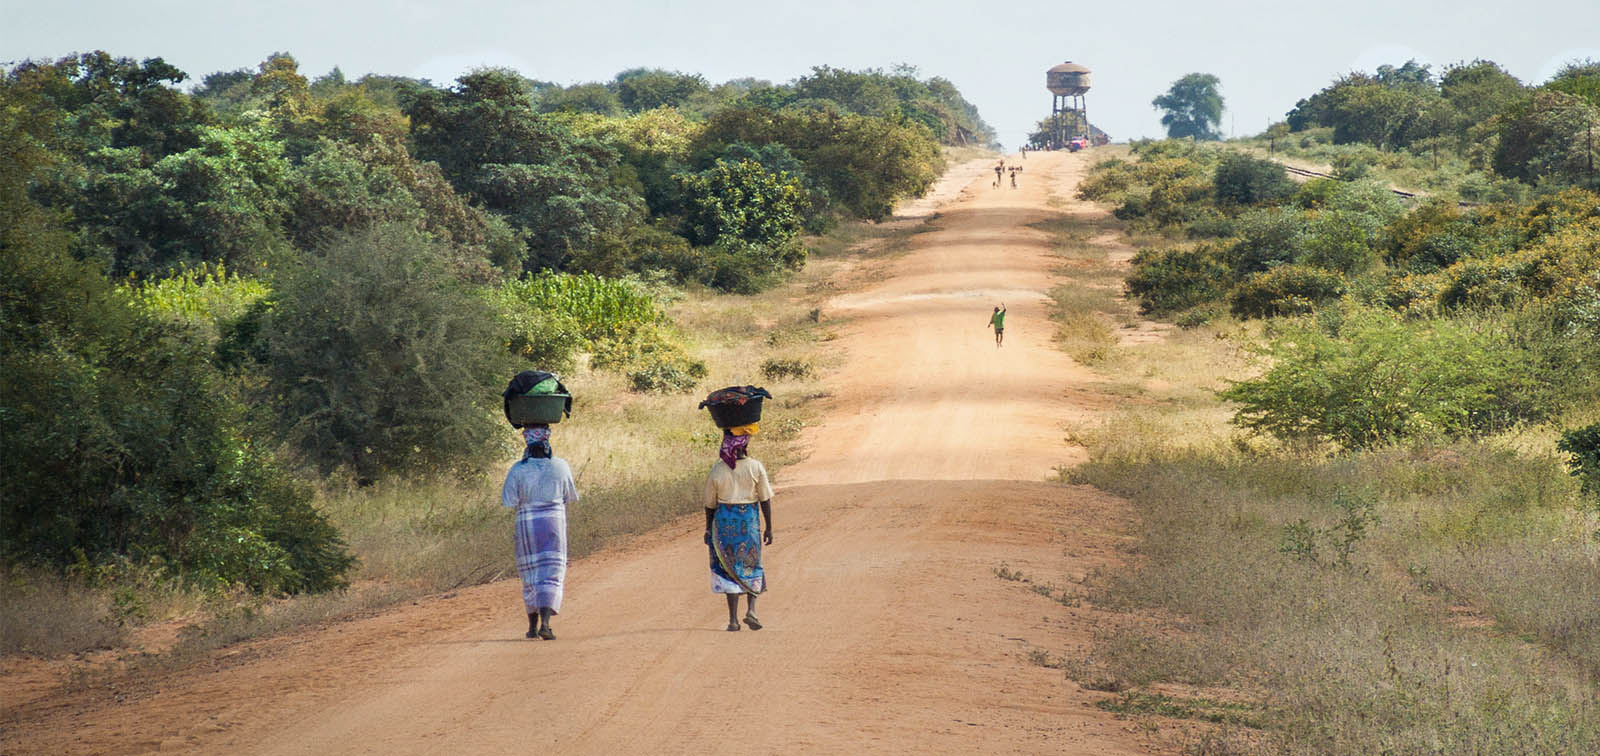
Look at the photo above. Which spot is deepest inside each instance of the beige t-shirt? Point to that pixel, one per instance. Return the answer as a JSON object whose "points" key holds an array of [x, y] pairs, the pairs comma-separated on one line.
{"points": [[744, 484]]}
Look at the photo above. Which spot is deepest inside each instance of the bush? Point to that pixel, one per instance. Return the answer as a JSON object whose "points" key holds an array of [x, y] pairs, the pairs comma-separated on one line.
{"points": [[1267, 237], [1244, 180], [1168, 281], [382, 361], [123, 441], [1381, 380], [1583, 444], [781, 368], [1342, 240], [652, 361], [1561, 266], [742, 200], [1285, 290]]}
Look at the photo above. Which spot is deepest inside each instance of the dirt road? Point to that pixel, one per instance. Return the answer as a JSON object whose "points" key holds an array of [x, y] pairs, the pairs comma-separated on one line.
{"points": [[888, 630]]}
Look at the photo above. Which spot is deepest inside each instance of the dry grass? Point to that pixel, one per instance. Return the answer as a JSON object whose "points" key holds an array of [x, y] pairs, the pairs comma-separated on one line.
{"points": [[48, 616], [1464, 622]]}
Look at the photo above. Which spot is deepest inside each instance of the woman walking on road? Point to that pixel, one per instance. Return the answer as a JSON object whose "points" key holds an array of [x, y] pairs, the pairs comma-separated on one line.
{"points": [[539, 488], [734, 488]]}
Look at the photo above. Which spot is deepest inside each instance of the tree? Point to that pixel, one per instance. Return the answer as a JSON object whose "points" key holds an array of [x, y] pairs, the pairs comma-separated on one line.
{"points": [[121, 439], [641, 89], [1551, 137], [561, 190], [581, 98], [1478, 91], [382, 360], [742, 200], [1193, 107]]}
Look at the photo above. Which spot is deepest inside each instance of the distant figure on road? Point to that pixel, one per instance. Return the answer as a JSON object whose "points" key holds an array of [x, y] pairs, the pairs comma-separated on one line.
{"points": [[1015, 169], [539, 488], [997, 321], [735, 486], [1024, 152], [999, 168]]}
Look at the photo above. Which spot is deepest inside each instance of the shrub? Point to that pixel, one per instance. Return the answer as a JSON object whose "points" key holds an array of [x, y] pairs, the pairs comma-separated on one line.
{"points": [[1267, 237], [123, 441], [1583, 444], [1168, 281], [204, 297], [1245, 180], [383, 361], [1108, 181], [1341, 240], [1560, 267], [652, 361], [742, 200], [1382, 380], [1285, 290], [780, 368]]}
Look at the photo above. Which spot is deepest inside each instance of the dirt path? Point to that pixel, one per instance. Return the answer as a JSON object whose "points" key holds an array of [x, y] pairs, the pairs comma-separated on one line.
{"points": [[888, 628]]}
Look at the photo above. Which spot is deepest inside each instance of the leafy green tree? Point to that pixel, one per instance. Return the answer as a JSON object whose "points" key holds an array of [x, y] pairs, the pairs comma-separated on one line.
{"points": [[121, 440], [222, 201], [641, 89], [1478, 91], [581, 98], [381, 360], [560, 190], [1551, 137], [1192, 107], [1580, 78], [341, 187], [866, 164], [742, 200]]}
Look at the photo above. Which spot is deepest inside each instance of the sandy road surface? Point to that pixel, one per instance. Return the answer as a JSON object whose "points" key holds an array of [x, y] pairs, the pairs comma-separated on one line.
{"points": [[887, 629]]}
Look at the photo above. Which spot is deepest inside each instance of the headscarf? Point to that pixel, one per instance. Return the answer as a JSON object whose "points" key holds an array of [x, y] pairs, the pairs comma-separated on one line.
{"points": [[732, 446], [538, 440]]}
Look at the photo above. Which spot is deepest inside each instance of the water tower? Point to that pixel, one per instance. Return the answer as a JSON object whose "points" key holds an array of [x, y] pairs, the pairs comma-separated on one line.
{"points": [[1069, 118]]}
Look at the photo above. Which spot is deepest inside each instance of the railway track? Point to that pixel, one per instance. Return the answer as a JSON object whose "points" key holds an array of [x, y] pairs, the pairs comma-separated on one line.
{"points": [[1407, 195]]}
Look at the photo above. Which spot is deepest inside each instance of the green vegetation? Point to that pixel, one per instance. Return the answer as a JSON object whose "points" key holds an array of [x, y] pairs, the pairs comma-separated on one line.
{"points": [[1396, 555], [1192, 107], [227, 314]]}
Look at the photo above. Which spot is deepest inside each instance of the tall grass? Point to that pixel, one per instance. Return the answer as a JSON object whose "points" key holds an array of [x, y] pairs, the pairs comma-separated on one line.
{"points": [[1457, 614]]}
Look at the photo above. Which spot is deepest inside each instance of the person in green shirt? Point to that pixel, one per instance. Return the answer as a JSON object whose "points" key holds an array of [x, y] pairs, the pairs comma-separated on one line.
{"points": [[997, 321]]}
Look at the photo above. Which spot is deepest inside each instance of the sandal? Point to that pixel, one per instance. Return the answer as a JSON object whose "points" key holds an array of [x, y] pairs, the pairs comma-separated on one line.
{"points": [[733, 627], [750, 619], [546, 633]]}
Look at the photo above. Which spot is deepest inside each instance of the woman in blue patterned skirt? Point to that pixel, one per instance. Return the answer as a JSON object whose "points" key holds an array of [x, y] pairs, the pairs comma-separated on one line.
{"points": [[736, 486]]}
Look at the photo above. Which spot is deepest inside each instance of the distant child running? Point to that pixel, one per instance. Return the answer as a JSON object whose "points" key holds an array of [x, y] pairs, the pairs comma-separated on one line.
{"points": [[997, 321]]}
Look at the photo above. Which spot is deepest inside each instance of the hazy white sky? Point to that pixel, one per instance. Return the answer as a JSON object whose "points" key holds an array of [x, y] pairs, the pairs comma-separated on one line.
{"points": [[1267, 54]]}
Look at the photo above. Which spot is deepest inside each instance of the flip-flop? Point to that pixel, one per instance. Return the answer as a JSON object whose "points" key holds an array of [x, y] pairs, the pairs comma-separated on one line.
{"points": [[546, 633], [750, 619], [733, 627], [532, 634]]}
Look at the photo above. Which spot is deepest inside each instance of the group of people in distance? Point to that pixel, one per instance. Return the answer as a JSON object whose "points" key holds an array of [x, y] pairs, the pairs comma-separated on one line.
{"points": [[738, 504]]}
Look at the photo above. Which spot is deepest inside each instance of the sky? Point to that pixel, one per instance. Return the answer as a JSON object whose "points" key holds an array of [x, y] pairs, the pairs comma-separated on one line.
{"points": [[1267, 54]]}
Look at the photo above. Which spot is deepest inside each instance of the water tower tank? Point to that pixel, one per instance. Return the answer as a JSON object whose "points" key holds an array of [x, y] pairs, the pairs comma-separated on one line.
{"points": [[1067, 79]]}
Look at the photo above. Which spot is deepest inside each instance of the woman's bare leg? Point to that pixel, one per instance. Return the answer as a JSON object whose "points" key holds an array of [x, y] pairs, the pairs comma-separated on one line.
{"points": [[733, 611]]}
